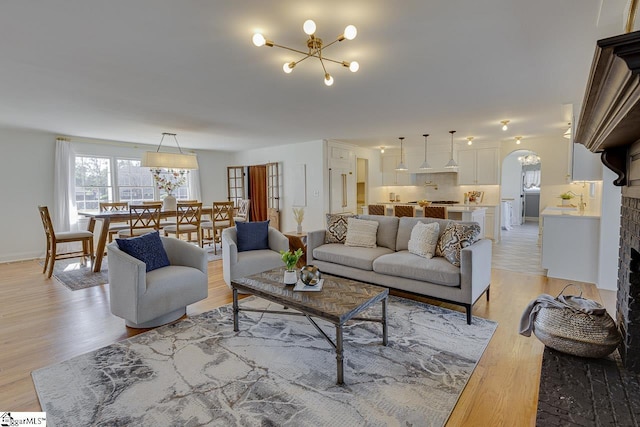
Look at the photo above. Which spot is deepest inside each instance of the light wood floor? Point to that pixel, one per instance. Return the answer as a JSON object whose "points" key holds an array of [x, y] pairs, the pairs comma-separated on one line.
{"points": [[42, 323]]}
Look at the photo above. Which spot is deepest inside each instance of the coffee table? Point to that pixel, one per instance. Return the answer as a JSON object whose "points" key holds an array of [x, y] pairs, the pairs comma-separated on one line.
{"points": [[339, 301]]}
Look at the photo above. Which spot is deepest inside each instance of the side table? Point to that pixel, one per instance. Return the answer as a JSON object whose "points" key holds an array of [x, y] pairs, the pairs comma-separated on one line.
{"points": [[298, 241]]}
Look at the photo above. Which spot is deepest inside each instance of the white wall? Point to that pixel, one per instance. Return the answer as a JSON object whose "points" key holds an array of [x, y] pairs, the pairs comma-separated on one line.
{"points": [[609, 232], [213, 175], [26, 171], [310, 154]]}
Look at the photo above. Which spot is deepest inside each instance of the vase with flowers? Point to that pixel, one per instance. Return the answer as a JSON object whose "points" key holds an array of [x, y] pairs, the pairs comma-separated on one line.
{"points": [[298, 214], [290, 260], [169, 180]]}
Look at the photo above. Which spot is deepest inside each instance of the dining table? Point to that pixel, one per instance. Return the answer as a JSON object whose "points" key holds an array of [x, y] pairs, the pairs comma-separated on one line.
{"points": [[107, 217]]}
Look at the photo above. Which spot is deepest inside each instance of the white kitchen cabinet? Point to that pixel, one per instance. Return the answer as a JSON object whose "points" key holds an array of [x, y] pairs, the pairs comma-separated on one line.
{"points": [[341, 158], [479, 166], [389, 174], [492, 224]]}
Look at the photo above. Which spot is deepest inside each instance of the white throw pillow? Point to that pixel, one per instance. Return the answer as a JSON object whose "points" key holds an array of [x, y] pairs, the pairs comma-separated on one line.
{"points": [[424, 238], [361, 232]]}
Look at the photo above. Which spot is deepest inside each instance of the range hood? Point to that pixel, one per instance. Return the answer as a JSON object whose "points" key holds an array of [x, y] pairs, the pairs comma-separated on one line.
{"points": [[610, 118]]}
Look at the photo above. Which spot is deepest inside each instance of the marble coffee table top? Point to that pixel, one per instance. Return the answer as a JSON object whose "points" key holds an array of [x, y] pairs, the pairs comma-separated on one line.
{"points": [[339, 300]]}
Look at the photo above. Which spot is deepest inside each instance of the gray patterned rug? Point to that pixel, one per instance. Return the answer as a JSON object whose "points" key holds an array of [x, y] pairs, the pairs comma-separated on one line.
{"points": [[75, 276], [277, 370]]}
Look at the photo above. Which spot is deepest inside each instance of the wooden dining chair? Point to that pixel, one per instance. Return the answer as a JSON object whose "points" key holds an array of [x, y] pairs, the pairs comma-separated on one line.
{"points": [[53, 238], [435, 212], [164, 222], [221, 218], [188, 217], [404, 210], [241, 213], [377, 209], [143, 219], [114, 228]]}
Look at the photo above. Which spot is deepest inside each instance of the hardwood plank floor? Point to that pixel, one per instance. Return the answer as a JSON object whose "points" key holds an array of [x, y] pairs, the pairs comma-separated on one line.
{"points": [[42, 323]]}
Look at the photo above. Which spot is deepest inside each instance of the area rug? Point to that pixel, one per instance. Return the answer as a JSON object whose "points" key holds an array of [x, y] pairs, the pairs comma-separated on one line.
{"points": [[277, 370], [75, 276], [578, 391]]}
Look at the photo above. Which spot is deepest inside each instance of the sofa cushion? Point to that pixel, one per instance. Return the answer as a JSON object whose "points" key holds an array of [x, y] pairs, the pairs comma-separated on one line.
{"points": [[336, 228], [455, 237], [252, 236], [147, 248], [338, 253], [405, 264], [361, 233], [387, 229], [424, 238], [406, 226]]}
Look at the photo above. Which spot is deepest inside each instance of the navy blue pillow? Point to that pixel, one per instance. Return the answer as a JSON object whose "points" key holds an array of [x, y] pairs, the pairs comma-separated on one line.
{"points": [[147, 248], [252, 235]]}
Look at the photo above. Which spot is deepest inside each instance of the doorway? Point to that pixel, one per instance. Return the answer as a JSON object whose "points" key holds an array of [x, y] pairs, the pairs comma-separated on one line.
{"points": [[519, 248]]}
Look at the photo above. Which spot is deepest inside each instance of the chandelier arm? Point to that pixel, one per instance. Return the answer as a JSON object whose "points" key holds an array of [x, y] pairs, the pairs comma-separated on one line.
{"points": [[292, 49], [159, 145], [179, 149]]}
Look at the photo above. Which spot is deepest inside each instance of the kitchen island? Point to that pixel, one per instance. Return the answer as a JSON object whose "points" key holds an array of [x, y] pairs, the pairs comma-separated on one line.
{"points": [[473, 213]]}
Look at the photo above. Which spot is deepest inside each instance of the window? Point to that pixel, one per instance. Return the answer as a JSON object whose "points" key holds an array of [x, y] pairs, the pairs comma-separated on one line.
{"points": [[134, 183], [109, 179], [93, 182]]}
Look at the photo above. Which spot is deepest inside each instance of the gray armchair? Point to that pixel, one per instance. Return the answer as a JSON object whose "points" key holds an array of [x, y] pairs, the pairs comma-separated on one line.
{"points": [[239, 264], [147, 300]]}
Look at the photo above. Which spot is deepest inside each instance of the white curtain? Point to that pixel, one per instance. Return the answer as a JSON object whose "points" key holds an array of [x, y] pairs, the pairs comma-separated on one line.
{"points": [[194, 185], [532, 179], [64, 214]]}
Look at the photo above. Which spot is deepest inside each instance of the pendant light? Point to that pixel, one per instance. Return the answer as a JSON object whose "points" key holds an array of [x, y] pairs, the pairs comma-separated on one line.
{"points": [[452, 163], [401, 165], [425, 165]]}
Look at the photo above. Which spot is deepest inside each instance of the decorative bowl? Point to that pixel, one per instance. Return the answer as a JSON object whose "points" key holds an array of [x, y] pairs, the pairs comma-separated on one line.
{"points": [[310, 275]]}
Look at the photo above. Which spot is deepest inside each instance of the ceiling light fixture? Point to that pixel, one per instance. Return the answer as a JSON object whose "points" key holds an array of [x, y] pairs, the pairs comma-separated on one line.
{"points": [[425, 165], [518, 139], [529, 159], [401, 165], [567, 133], [316, 47], [469, 140], [382, 149], [173, 161], [452, 163], [504, 124]]}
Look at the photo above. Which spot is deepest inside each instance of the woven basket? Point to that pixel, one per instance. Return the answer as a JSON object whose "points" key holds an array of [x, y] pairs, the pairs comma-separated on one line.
{"points": [[575, 332]]}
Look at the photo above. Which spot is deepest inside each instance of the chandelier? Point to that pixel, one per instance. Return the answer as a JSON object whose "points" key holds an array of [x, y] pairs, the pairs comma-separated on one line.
{"points": [[316, 47], [157, 159], [529, 159]]}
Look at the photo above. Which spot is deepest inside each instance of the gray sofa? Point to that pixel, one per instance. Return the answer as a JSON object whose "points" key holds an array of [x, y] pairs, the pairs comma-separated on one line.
{"points": [[390, 264]]}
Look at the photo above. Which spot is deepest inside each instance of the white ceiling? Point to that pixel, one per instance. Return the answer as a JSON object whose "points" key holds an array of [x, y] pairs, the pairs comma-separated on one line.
{"points": [[129, 70]]}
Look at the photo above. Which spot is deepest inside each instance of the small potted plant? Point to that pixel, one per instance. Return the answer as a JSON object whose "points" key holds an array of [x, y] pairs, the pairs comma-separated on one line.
{"points": [[290, 259], [566, 197]]}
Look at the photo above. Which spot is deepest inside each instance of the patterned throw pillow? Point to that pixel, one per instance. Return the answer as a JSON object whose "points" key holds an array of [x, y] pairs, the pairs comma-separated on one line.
{"points": [[455, 237], [361, 233], [147, 248], [336, 228], [424, 238]]}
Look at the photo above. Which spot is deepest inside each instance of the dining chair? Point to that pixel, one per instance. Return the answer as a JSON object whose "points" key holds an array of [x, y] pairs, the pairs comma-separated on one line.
{"points": [[404, 210], [53, 238], [164, 222], [188, 217], [143, 219], [242, 211], [435, 212], [114, 228], [377, 209], [221, 218]]}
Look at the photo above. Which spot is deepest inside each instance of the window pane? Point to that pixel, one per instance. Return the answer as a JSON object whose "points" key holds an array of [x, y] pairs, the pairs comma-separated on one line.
{"points": [[134, 182], [93, 181]]}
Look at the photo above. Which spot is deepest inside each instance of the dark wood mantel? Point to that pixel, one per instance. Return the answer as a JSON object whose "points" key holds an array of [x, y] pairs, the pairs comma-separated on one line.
{"points": [[610, 118]]}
